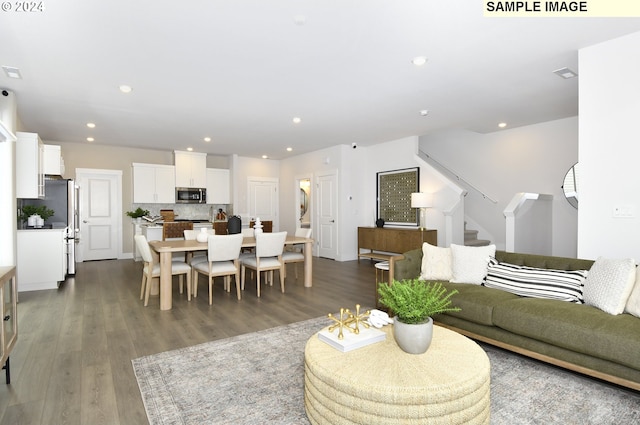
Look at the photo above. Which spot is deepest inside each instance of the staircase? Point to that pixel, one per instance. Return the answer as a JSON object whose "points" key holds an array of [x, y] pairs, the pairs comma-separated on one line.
{"points": [[471, 238]]}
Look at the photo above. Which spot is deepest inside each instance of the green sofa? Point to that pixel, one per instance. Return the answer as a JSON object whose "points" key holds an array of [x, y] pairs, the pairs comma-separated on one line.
{"points": [[574, 336]]}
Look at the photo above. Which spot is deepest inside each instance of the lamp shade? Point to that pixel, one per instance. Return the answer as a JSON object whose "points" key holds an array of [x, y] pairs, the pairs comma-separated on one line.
{"points": [[420, 200]]}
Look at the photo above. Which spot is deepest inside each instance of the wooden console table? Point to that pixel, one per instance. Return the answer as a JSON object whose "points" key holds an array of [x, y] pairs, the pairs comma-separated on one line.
{"points": [[388, 244]]}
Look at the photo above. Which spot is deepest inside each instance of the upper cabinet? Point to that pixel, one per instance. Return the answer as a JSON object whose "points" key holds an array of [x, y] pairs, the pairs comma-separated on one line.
{"points": [[191, 169], [153, 184], [52, 162], [218, 186], [29, 166]]}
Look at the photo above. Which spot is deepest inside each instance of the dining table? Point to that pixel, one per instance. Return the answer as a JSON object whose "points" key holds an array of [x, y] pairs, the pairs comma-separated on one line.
{"points": [[165, 250]]}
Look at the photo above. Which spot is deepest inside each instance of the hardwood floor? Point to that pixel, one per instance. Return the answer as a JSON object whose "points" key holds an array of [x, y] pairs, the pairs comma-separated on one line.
{"points": [[72, 361]]}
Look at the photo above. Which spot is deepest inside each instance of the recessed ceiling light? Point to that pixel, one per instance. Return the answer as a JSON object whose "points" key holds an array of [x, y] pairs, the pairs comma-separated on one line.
{"points": [[419, 60], [12, 72], [424, 112], [565, 73], [297, 120], [264, 157], [190, 149], [90, 139], [207, 139], [91, 125], [126, 89], [289, 149], [502, 124], [299, 19]]}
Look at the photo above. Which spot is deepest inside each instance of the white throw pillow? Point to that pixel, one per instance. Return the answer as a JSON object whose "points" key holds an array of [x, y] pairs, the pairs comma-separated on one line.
{"points": [[609, 284], [469, 263], [436, 263], [633, 303]]}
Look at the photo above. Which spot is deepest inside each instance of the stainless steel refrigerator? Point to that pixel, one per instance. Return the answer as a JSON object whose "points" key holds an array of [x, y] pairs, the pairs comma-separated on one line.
{"points": [[61, 195]]}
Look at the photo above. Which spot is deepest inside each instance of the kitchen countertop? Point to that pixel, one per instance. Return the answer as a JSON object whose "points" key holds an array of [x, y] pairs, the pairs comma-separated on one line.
{"points": [[41, 229]]}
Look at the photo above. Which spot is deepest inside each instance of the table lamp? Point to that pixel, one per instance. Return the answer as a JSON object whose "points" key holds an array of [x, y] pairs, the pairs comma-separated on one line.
{"points": [[422, 201]]}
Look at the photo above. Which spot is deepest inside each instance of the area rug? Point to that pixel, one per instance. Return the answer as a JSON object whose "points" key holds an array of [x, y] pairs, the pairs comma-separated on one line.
{"points": [[258, 378]]}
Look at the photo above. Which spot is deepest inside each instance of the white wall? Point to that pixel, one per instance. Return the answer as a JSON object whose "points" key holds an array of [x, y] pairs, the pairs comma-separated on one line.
{"points": [[609, 148], [310, 165], [532, 158], [8, 220], [399, 154]]}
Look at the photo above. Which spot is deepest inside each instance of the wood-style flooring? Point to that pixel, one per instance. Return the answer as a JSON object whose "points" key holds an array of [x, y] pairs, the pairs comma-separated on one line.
{"points": [[72, 361]]}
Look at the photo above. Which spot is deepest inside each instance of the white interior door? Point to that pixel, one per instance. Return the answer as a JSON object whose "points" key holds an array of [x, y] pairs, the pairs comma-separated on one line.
{"points": [[100, 214], [327, 197], [263, 200]]}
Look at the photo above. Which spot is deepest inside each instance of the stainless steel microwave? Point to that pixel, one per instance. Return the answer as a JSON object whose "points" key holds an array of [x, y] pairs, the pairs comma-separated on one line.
{"points": [[191, 195]]}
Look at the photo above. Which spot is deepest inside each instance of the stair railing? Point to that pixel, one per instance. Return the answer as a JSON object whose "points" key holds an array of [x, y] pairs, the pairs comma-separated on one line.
{"points": [[450, 172]]}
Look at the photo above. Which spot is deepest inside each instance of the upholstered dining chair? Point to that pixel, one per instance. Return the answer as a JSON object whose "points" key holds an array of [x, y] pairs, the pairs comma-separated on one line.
{"points": [[151, 269], [296, 255], [268, 257], [223, 252], [198, 256]]}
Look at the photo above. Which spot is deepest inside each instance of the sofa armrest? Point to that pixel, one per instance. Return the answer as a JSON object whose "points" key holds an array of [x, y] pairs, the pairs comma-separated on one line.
{"points": [[409, 267]]}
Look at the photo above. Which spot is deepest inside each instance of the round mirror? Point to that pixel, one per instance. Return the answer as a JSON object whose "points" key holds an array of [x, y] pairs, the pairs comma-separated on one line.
{"points": [[570, 186]]}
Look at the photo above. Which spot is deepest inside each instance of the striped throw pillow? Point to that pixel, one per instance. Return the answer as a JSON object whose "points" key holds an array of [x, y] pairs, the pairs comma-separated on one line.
{"points": [[526, 281]]}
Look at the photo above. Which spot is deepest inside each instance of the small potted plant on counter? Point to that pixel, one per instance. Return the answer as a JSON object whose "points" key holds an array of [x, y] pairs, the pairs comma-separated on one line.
{"points": [[413, 302], [137, 214], [35, 216]]}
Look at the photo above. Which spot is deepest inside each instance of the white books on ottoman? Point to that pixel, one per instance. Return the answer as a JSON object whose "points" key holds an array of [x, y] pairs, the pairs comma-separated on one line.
{"points": [[351, 340]]}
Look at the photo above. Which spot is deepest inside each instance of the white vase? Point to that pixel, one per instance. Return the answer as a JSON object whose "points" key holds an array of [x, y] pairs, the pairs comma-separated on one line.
{"points": [[257, 230], [32, 221], [414, 338], [203, 235]]}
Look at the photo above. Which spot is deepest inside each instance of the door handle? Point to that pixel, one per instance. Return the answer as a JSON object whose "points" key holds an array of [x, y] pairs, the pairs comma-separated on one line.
{"points": [[333, 221], [84, 221]]}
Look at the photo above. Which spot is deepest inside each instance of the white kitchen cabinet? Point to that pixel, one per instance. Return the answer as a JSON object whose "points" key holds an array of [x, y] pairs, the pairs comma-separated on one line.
{"points": [[41, 259], [29, 166], [52, 163], [152, 233], [218, 186], [191, 169], [153, 184]]}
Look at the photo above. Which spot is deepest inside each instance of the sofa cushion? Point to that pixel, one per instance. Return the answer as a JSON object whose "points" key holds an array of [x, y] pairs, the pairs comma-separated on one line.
{"points": [[609, 284], [476, 302], [436, 263], [469, 263], [563, 285], [577, 327], [633, 303]]}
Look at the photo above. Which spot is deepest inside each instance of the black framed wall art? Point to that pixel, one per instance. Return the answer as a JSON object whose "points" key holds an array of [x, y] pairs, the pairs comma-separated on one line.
{"points": [[394, 189]]}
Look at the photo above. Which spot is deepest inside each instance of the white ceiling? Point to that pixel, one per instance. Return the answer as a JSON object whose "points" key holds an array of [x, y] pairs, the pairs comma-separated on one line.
{"points": [[238, 71]]}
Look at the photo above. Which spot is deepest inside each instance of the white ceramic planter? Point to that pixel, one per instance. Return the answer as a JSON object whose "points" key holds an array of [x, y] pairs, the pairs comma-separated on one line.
{"points": [[415, 338]]}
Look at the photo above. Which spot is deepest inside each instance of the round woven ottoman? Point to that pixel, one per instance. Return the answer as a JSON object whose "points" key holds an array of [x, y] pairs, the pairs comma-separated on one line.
{"points": [[381, 384]]}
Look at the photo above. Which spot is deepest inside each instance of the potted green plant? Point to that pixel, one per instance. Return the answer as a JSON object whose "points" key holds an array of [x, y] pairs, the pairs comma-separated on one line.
{"points": [[42, 212], [137, 214], [414, 302]]}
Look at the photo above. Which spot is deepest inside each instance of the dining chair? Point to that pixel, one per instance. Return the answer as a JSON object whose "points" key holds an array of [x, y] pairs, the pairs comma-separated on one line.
{"points": [[223, 252], [268, 257], [296, 254], [198, 256], [151, 269], [172, 230]]}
